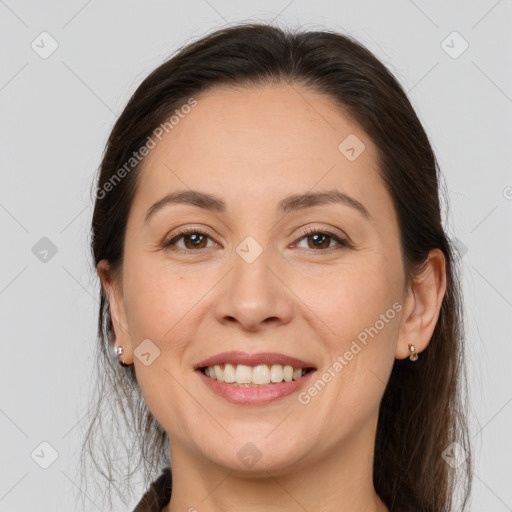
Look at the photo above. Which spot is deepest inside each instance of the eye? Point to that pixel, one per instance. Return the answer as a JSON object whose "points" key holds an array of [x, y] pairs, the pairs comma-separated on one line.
{"points": [[193, 239], [319, 239]]}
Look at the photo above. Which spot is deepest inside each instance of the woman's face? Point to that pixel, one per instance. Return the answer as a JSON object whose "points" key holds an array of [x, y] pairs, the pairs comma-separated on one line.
{"points": [[251, 280]]}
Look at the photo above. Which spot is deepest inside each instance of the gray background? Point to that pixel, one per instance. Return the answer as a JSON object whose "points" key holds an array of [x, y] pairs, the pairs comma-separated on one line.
{"points": [[56, 114]]}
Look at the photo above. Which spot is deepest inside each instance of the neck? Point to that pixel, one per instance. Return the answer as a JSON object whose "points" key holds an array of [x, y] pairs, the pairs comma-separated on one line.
{"points": [[340, 480]]}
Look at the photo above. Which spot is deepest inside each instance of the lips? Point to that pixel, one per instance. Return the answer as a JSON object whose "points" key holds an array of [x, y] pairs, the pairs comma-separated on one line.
{"points": [[255, 396], [268, 358]]}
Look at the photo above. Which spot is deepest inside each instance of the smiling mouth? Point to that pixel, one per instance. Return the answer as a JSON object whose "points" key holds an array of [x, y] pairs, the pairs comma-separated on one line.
{"points": [[240, 375]]}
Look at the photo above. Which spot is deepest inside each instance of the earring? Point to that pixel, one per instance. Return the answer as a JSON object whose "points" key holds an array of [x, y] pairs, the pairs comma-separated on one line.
{"points": [[412, 350], [119, 351]]}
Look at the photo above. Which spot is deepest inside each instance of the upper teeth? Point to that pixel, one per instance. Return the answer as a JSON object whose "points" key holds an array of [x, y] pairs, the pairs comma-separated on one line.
{"points": [[259, 374]]}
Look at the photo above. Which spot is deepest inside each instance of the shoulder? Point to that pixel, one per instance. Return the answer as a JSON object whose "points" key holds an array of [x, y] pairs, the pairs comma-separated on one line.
{"points": [[158, 494]]}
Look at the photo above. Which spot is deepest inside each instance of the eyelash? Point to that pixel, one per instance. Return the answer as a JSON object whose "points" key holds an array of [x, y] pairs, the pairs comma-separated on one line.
{"points": [[343, 243]]}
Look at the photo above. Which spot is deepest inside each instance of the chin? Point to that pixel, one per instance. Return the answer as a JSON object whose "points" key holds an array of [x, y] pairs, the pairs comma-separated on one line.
{"points": [[258, 458]]}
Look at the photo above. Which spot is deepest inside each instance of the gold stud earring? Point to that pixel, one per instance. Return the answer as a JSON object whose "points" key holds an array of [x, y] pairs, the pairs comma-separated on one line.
{"points": [[412, 350], [119, 351]]}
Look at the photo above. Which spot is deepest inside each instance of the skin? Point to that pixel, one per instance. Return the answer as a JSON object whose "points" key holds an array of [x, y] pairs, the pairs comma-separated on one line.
{"points": [[253, 148]]}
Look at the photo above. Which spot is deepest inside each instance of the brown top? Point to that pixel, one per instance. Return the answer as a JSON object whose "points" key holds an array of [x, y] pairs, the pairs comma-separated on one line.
{"points": [[158, 494]]}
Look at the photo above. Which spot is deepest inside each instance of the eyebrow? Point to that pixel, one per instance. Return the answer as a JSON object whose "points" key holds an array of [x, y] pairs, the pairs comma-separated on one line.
{"points": [[291, 203]]}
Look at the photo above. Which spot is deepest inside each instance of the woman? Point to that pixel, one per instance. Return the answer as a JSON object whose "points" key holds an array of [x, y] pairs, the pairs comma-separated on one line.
{"points": [[277, 283]]}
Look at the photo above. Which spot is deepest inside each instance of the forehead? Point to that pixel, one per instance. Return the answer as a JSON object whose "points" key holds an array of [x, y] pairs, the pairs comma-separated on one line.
{"points": [[258, 144]]}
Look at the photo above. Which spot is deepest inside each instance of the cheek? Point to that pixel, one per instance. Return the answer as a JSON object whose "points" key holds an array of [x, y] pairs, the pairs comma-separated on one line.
{"points": [[350, 297], [157, 303], [359, 311], [156, 299], [166, 306], [150, 304]]}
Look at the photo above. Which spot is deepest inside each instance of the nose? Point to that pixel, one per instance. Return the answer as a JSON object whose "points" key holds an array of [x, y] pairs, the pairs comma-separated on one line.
{"points": [[254, 295]]}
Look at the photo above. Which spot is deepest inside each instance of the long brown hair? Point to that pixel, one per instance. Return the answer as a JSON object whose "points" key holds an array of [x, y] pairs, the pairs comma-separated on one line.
{"points": [[423, 410]]}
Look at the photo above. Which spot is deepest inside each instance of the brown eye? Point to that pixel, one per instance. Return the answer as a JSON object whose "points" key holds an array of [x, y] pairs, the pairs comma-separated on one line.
{"points": [[192, 239], [319, 241], [322, 239], [196, 240]]}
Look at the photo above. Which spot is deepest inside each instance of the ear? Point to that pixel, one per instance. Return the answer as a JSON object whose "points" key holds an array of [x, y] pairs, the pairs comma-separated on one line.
{"points": [[113, 291], [422, 305]]}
